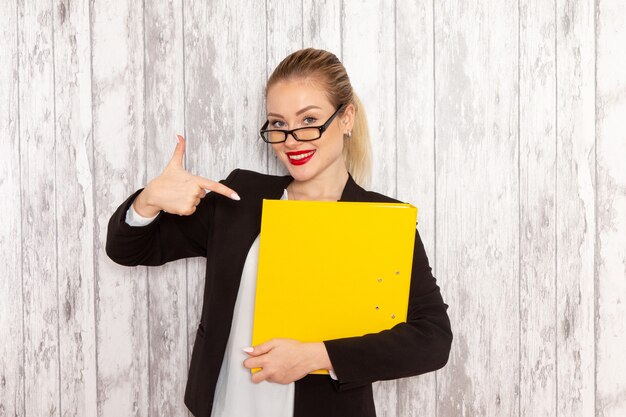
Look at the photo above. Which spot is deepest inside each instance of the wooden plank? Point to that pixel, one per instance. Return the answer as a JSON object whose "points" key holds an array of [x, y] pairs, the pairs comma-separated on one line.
{"points": [[11, 309], [610, 264], [321, 25], [537, 164], [167, 284], [74, 208], [223, 107], [284, 35], [415, 151], [477, 197], [38, 219], [369, 56], [119, 169], [575, 227]]}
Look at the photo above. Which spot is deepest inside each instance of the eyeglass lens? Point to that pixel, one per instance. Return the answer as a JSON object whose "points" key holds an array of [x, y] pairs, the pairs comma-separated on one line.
{"points": [[302, 134]]}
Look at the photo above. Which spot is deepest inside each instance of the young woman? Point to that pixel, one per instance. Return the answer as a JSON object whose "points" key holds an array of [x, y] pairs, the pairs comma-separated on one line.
{"points": [[317, 128]]}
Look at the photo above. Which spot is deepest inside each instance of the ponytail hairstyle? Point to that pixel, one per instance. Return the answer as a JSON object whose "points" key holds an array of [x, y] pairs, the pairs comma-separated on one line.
{"points": [[323, 69]]}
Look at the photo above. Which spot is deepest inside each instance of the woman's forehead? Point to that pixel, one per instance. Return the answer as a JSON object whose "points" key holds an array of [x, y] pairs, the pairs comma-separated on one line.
{"points": [[292, 96]]}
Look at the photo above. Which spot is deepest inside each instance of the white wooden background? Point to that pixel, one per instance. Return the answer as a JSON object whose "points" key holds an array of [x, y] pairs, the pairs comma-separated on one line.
{"points": [[502, 120]]}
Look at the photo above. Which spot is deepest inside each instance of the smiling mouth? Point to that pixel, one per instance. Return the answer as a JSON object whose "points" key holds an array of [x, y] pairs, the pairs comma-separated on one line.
{"points": [[300, 157]]}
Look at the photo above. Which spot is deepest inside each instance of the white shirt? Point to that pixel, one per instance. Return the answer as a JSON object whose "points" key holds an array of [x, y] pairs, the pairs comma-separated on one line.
{"points": [[235, 394]]}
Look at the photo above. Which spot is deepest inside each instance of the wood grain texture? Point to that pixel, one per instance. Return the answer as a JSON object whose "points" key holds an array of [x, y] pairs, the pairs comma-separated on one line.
{"points": [[74, 208], [372, 23], [38, 219], [575, 209], [501, 121], [119, 154], [321, 25], [12, 380], [477, 203], [537, 204], [372, 74], [611, 208], [415, 136], [167, 284]]}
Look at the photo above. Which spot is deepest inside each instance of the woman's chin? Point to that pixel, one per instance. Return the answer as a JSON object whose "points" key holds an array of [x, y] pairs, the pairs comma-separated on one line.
{"points": [[299, 175]]}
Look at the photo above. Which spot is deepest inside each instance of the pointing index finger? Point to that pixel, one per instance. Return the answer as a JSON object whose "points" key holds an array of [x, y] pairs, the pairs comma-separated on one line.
{"points": [[217, 187]]}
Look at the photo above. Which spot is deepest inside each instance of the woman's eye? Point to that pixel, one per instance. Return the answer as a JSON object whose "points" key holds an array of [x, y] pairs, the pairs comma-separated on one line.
{"points": [[277, 124], [310, 120]]}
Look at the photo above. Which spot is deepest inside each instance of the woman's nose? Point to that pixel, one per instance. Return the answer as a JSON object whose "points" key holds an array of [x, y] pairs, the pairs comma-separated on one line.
{"points": [[291, 140]]}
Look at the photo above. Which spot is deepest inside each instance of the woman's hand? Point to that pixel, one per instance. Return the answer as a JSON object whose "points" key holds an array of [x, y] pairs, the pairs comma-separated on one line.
{"points": [[177, 191], [286, 360]]}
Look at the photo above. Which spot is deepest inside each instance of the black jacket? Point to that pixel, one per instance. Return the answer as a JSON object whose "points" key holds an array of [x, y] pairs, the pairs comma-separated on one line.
{"points": [[223, 230]]}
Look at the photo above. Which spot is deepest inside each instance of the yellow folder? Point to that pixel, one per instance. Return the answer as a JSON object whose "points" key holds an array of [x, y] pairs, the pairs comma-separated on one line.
{"points": [[329, 270]]}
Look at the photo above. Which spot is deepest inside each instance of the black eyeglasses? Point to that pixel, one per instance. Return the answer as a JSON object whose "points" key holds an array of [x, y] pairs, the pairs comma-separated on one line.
{"points": [[304, 134]]}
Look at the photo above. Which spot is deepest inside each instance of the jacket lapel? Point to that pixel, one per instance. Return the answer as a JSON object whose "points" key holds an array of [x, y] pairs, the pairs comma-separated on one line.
{"points": [[353, 191]]}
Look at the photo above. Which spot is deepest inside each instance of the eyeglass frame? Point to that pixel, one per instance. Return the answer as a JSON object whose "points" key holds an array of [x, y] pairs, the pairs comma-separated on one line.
{"points": [[321, 129]]}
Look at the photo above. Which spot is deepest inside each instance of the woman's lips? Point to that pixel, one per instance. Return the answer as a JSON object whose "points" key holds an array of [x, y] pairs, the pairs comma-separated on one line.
{"points": [[300, 157]]}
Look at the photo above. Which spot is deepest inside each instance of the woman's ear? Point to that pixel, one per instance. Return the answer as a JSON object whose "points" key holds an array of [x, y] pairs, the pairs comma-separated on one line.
{"points": [[347, 118]]}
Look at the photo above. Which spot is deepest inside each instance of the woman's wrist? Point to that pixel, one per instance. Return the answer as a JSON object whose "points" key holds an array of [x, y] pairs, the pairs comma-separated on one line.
{"points": [[321, 360], [142, 207]]}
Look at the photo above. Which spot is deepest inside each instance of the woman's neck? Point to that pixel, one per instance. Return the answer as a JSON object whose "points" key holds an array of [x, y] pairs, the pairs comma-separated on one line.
{"points": [[318, 189]]}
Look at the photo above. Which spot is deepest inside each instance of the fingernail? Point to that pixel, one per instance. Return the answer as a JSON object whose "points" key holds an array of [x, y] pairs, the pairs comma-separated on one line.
{"points": [[235, 196], [177, 138], [248, 349]]}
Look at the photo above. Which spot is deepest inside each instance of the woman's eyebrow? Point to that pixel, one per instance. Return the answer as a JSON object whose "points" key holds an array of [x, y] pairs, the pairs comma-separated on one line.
{"points": [[298, 112]]}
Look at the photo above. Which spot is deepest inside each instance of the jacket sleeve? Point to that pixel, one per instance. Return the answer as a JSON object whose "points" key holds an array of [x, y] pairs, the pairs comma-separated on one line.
{"points": [[167, 238], [420, 345]]}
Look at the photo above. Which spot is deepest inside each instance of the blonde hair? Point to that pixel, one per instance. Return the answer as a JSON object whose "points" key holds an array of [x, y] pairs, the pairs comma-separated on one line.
{"points": [[323, 68]]}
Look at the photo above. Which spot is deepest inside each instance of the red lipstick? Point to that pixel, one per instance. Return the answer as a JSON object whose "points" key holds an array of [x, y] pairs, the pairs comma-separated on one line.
{"points": [[300, 157]]}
